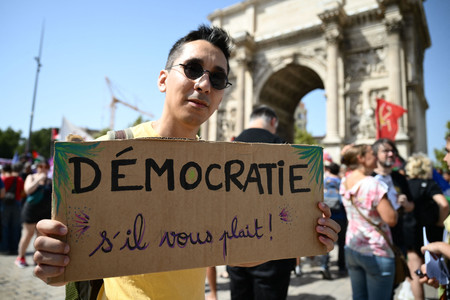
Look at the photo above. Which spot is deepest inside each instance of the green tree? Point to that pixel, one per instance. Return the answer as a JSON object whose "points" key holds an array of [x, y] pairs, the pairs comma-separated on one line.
{"points": [[303, 137], [440, 153], [41, 142], [10, 141]]}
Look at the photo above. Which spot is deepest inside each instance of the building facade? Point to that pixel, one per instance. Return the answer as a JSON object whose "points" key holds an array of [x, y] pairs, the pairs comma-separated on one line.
{"points": [[356, 50]]}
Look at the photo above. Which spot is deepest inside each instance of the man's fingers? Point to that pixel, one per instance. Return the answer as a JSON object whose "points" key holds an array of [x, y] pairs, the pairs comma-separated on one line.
{"points": [[45, 272], [51, 259], [327, 232], [51, 227], [331, 224], [325, 209], [327, 242], [50, 245]]}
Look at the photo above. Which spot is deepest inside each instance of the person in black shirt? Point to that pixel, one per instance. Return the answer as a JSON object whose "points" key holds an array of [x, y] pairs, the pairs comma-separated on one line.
{"points": [[271, 279]]}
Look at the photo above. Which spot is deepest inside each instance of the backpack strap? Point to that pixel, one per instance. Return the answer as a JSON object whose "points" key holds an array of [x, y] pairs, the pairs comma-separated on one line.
{"points": [[124, 134], [83, 290], [13, 186]]}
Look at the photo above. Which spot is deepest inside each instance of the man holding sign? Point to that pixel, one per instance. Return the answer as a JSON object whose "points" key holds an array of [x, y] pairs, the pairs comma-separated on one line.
{"points": [[194, 80]]}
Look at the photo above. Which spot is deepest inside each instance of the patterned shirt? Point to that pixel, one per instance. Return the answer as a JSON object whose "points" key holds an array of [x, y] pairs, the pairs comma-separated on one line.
{"points": [[362, 236]]}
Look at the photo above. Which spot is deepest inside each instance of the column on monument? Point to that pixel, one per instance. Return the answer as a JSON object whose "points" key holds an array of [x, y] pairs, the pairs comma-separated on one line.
{"points": [[394, 68], [212, 127], [248, 96], [332, 88], [240, 86], [204, 131]]}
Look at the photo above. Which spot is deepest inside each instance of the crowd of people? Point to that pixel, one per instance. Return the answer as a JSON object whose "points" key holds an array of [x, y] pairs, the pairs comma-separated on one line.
{"points": [[372, 200], [30, 186]]}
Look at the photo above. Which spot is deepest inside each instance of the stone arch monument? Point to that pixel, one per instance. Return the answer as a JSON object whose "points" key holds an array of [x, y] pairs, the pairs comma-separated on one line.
{"points": [[356, 50]]}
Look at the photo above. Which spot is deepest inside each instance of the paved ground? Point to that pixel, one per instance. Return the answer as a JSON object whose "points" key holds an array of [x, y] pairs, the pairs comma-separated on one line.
{"points": [[18, 283]]}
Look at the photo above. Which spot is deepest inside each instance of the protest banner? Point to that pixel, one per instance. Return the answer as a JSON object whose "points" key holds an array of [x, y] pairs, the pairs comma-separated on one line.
{"points": [[151, 205]]}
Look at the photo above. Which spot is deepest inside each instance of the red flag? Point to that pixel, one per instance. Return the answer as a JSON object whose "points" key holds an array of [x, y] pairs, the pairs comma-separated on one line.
{"points": [[54, 133], [387, 115]]}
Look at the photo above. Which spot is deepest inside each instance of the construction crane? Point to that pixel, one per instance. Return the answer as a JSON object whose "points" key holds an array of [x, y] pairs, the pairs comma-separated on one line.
{"points": [[115, 100]]}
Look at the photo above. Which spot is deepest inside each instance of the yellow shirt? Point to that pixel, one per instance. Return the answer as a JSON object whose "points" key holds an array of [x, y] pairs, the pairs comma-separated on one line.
{"points": [[173, 285]]}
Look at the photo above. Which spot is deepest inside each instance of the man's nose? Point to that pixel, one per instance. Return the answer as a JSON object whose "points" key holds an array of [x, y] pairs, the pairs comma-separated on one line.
{"points": [[203, 83]]}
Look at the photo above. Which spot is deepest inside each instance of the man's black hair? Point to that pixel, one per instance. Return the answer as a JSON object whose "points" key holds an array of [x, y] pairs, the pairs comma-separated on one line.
{"points": [[263, 111], [215, 35], [383, 141], [334, 168]]}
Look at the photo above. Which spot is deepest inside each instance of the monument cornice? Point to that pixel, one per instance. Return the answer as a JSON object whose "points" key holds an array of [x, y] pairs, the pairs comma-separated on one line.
{"points": [[236, 8], [293, 33]]}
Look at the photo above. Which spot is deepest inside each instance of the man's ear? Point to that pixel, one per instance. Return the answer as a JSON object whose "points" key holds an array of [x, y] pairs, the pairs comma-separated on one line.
{"points": [[162, 81], [273, 122]]}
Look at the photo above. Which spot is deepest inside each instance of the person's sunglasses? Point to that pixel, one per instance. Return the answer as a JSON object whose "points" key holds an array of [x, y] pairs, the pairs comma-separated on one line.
{"points": [[194, 70]]}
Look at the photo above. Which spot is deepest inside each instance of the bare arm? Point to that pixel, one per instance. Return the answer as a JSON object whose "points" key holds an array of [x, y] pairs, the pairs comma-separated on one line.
{"points": [[387, 212], [33, 181], [443, 208], [2, 192]]}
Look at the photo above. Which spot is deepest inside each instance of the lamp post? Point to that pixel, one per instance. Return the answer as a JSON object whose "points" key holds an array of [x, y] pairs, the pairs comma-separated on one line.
{"points": [[38, 60]]}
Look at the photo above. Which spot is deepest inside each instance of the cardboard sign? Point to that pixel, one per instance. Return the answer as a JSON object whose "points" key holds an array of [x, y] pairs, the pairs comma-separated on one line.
{"points": [[151, 205]]}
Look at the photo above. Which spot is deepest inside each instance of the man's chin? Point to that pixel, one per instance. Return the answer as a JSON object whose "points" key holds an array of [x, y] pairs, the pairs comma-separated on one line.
{"points": [[387, 164]]}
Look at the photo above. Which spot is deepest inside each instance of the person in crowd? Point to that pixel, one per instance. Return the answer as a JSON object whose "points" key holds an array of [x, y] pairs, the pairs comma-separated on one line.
{"points": [[38, 206], [2, 194], [194, 79], [398, 189], [269, 280], [26, 170], [388, 171], [431, 209], [10, 211], [438, 248], [370, 260], [331, 185]]}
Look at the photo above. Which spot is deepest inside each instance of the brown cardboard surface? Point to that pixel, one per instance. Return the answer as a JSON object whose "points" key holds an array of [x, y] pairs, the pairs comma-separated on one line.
{"points": [[151, 205]]}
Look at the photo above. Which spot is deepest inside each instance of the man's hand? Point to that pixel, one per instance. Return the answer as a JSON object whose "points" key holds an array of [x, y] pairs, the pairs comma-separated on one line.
{"points": [[327, 228], [424, 278], [51, 254], [402, 200]]}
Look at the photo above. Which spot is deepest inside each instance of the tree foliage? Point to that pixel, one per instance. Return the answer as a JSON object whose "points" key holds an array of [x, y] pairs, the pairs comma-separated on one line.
{"points": [[303, 137], [10, 141], [440, 153]]}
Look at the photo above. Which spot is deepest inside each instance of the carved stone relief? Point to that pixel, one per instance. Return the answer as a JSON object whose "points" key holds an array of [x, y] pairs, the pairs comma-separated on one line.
{"points": [[366, 126], [364, 64], [354, 109], [226, 119]]}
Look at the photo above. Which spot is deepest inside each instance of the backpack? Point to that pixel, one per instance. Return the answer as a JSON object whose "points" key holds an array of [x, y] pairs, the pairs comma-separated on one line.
{"points": [[89, 289], [10, 195], [331, 195]]}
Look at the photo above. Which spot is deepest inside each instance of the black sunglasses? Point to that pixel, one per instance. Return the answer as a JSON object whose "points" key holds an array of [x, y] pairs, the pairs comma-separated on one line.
{"points": [[194, 70]]}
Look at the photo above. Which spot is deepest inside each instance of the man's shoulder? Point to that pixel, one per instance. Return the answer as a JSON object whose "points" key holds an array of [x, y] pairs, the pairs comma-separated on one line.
{"points": [[137, 131], [258, 135]]}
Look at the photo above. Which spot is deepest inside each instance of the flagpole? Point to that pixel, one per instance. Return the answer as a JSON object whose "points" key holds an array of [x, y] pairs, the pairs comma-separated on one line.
{"points": [[39, 65]]}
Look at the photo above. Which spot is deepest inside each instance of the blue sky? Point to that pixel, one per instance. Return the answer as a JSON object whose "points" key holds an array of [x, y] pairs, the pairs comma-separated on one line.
{"points": [[128, 42]]}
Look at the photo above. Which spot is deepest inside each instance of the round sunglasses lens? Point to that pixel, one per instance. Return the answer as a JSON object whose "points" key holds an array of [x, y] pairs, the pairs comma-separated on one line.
{"points": [[218, 81], [193, 71]]}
